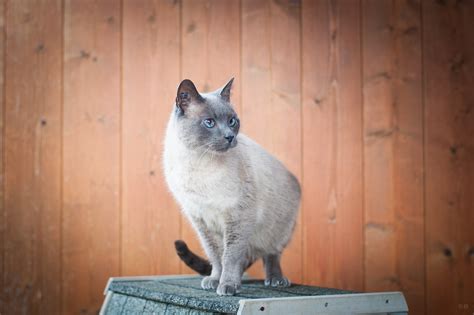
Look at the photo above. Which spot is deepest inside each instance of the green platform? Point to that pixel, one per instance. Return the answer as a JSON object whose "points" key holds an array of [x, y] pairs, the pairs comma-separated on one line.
{"points": [[183, 295]]}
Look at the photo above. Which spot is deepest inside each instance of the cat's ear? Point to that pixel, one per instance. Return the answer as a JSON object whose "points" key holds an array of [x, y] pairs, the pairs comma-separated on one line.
{"points": [[225, 91], [187, 93]]}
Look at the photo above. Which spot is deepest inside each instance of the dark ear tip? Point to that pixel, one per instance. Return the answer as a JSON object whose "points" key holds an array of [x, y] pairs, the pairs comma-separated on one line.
{"points": [[225, 91], [186, 82]]}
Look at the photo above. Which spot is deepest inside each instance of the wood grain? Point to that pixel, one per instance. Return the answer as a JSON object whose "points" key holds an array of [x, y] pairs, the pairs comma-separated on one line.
{"points": [[32, 157], [210, 56], [448, 43], [2, 152], [150, 217], [271, 109], [369, 103], [332, 145], [393, 149], [91, 215]]}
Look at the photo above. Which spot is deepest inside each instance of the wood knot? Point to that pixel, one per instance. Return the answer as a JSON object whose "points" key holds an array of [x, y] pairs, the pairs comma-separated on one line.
{"points": [[457, 63], [453, 149], [151, 18], [470, 252], [447, 252], [390, 28], [318, 101], [43, 122], [380, 133], [410, 30], [191, 27], [84, 54], [152, 173], [40, 48]]}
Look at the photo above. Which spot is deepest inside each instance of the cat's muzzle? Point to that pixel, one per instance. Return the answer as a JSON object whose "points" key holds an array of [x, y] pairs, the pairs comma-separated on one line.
{"points": [[226, 146]]}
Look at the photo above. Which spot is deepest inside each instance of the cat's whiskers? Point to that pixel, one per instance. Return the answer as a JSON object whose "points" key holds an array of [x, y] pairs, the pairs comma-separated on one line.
{"points": [[208, 148]]}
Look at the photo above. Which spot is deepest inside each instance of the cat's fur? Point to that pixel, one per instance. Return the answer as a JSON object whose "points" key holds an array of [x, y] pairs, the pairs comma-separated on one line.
{"points": [[241, 200]]}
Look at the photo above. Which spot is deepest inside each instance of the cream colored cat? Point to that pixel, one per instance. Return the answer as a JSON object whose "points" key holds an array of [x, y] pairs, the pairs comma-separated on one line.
{"points": [[240, 199]]}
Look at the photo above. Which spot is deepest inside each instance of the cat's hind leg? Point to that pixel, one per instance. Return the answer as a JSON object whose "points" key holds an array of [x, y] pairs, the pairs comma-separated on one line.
{"points": [[273, 274]]}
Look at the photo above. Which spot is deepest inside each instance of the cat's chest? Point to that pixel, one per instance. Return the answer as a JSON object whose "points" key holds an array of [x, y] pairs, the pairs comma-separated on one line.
{"points": [[203, 185]]}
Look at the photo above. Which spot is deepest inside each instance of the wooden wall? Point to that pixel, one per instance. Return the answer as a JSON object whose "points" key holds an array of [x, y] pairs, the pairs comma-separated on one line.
{"points": [[369, 102]]}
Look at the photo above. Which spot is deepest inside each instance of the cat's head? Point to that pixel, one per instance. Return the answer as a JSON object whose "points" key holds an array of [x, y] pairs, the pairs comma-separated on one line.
{"points": [[206, 121]]}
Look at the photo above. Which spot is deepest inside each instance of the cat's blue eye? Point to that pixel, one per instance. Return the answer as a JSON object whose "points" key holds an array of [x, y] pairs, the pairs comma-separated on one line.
{"points": [[209, 122], [232, 122]]}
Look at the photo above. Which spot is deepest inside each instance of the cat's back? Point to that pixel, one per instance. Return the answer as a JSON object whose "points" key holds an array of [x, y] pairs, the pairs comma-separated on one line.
{"points": [[271, 175], [259, 158], [277, 195]]}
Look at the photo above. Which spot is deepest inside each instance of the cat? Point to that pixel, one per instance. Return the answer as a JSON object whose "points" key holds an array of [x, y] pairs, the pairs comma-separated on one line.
{"points": [[242, 202]]}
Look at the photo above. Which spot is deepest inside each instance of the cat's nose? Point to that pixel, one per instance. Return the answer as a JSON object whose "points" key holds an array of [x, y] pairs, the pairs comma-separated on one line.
{"points": [[229, 138]]}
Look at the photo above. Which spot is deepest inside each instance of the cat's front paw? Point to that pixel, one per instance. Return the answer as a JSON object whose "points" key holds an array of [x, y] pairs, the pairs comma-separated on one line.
{"points": [[209, 283], [228, 288], [279, 281]]}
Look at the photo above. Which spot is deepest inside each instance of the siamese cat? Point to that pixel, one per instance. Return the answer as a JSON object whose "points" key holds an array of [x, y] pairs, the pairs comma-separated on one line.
{"points": [[242, 202]]}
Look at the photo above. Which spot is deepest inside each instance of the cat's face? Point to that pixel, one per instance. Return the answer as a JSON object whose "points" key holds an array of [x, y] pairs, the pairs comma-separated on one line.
{"points": [[206, 121]]}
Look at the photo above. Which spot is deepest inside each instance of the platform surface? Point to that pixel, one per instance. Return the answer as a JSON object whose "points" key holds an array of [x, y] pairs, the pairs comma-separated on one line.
{"points": [[184, 295]]}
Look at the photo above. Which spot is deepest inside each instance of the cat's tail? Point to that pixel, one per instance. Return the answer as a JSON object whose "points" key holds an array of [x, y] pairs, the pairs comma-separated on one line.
{"points": [[193, 261]]}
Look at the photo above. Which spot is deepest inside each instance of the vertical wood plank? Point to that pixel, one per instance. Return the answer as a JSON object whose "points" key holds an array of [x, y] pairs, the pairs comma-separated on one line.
{"points": [[332, 145], [271, 109], [151, 219], [2, 152], [91, 152], [32, 157], [393, 149], [448, 42], [210, 56]]}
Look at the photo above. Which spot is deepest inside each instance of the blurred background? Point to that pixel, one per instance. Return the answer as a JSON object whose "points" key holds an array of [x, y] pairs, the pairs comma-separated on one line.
{"points": [[370, 103]]}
